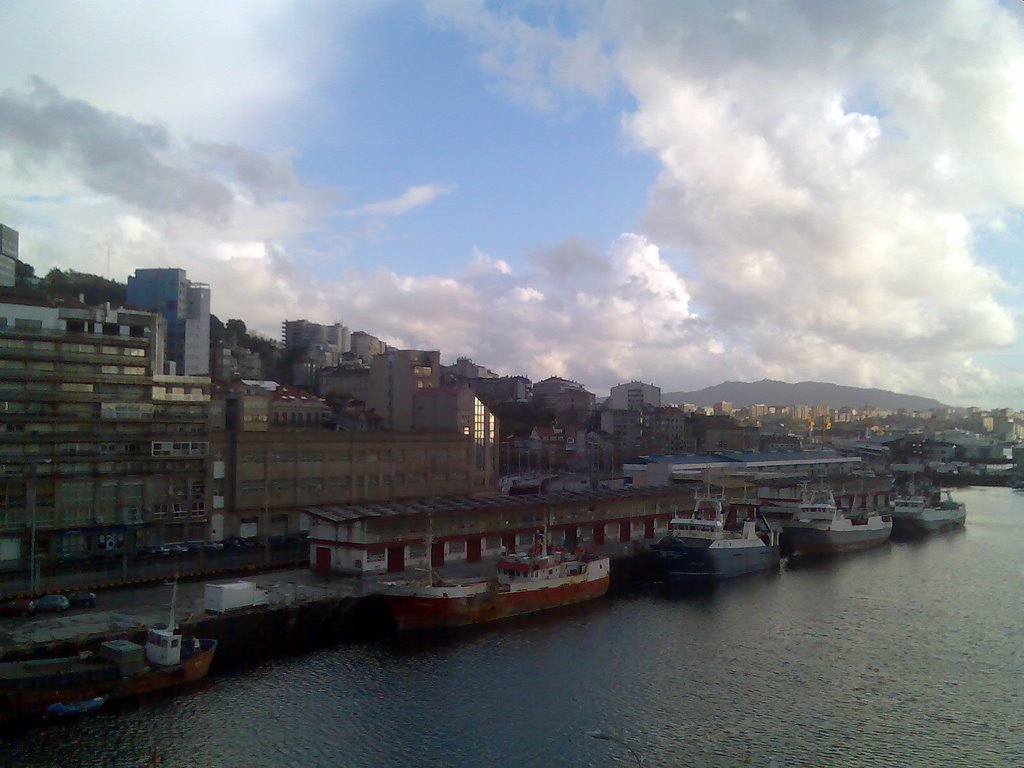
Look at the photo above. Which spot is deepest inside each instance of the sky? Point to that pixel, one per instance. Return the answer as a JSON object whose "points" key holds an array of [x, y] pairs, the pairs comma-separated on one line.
{"points": [[603, 190]]}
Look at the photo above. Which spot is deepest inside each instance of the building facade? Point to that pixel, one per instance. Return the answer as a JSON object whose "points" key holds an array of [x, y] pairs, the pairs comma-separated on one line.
{"points": [[8, 256], [634, 396], [277, 460], [568, 399], [505, 389], [365, 346], [99, 451], [185, 306], [457, 409], [302, 334], [395, 377]]}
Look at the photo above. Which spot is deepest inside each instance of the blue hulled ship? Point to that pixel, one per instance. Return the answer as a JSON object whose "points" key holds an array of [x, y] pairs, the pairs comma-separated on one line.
{"points": [[716, 542]]}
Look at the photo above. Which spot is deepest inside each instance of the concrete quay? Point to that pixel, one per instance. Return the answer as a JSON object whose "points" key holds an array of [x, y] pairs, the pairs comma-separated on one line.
{"points": [[305, 610]]}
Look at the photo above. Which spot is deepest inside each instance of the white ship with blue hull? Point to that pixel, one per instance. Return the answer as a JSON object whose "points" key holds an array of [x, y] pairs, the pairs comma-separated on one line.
{"points": [[714, 543], [821, 527], [920, 515]]}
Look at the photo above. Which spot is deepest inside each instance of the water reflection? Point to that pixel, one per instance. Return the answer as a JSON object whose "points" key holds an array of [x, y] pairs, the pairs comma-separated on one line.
{"points": [[904, 655]]}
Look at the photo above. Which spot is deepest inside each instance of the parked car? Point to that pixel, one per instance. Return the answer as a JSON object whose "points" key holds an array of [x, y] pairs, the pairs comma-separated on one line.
{"points": [[213, 546], [178, 549], [155, 551], [82, 599], [53, 603], [74, 557], [17, 607]]}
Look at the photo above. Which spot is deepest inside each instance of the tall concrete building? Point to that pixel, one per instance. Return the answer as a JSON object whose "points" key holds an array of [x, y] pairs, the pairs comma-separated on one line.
{"points": [[365, 346], [304, 335], [8, 255], [634, 395], [186, 308], [395, 377], [99, 451], [568, 399]]}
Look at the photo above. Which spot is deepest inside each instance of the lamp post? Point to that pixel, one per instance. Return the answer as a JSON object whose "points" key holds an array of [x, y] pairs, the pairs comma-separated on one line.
{"points": [[638, 758], [30, 504]]}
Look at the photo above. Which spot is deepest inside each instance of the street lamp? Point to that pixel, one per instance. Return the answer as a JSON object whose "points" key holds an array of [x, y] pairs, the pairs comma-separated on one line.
{"points": [[638, 758], [30, 503]]}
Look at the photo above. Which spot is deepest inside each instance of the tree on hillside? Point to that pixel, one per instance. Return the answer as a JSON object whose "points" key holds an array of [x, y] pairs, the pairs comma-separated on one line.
{"points": [[236, 328], [23, 273], [93, 289]]}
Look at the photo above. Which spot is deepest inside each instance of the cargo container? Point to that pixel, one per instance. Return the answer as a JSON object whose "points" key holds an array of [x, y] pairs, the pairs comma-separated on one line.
{"points": [[220, 598]]}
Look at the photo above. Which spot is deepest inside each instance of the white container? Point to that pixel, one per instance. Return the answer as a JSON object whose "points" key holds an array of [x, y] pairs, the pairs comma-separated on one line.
{"points": [[219, 598]]}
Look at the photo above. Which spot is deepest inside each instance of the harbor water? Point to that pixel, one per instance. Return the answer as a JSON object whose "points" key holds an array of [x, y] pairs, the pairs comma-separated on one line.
{"points": [[910, 654]]}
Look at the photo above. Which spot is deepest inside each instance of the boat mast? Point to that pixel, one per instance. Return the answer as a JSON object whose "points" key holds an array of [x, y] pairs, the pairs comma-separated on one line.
{"points": [[544, 542], [174, 598], [430, 548]]}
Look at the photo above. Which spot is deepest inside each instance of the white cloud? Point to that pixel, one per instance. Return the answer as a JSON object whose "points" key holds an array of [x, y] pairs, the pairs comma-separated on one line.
{"points": [[410, 199], [224, 70], [826, 169], [533, 64], [826, 172]]}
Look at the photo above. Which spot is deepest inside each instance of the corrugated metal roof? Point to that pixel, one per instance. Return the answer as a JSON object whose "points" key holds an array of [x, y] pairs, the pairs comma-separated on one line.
{"points": [[353, 512]]}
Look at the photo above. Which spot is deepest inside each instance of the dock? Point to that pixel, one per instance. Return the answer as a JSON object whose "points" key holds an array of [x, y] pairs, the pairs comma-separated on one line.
{"points": [[304, 610]]}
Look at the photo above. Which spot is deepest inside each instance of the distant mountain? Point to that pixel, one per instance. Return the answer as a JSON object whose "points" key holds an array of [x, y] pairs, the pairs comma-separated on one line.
{"points": [[744, 394]]}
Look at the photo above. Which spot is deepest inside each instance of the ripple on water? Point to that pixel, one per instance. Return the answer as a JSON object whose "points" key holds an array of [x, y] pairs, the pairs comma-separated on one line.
{"points": [[906, 655]]}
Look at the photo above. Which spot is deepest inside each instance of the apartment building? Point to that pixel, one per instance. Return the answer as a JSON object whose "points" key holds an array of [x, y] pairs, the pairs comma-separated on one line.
{"points": [[633, 396], [99, 451], [304, 335], [365, 346], [565, 397], [505, 389], [8, 256], [395, 377], [185, 306]]}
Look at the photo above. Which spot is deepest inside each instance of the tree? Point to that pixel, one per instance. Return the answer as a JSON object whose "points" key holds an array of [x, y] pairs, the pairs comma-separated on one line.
{"points": [[236, 328]]}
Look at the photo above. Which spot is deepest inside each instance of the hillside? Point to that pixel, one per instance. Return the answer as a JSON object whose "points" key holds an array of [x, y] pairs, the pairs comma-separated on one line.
{"points": [[769, 392]]}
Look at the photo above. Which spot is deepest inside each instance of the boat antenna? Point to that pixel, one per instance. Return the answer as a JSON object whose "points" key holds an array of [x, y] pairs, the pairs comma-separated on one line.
{"points": [[430, 548], [174, 598], [545, 543]]}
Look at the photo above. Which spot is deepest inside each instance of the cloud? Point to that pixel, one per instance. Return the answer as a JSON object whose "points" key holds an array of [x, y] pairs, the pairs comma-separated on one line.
{"points": [[826, 170], [533, 64], [42, 133], [826, 174], [410, 199], [226, 71], [637, 311], [101, 192]]}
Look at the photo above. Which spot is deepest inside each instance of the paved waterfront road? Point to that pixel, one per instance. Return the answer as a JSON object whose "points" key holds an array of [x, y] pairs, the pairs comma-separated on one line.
{"points": [[147, 604], [93, 574]]}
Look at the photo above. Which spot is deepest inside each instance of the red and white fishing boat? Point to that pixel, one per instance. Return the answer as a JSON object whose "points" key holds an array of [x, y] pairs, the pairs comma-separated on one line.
{"points": [[538, 580]]}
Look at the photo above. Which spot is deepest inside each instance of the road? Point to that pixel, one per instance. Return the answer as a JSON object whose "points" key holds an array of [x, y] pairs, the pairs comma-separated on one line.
{"points": [[126, 571]]}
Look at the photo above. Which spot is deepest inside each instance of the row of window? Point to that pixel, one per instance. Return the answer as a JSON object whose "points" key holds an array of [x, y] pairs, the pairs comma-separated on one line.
{"points": [[337, 483], [49, 366], [368, 457], [168, 448], [38, 345]]}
